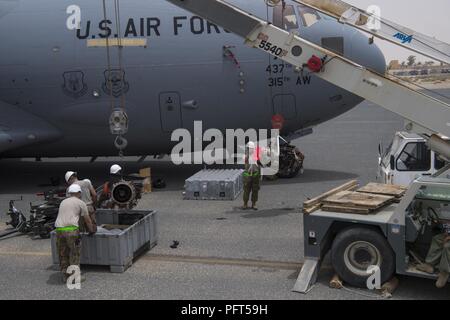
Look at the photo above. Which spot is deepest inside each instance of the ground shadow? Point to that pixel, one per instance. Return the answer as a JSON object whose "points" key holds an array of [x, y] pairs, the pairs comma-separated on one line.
{"points": [[55, 279], [20, 177], [314, 175], [265, 213], [32, 177]]}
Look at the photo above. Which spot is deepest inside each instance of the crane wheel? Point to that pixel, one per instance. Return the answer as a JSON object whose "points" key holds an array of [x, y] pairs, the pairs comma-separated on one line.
{"points": [[354, 250]]}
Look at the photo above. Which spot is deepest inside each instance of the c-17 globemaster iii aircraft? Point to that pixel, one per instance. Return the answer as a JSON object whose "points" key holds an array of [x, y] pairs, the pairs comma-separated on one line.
{"points": [[59, 85]]}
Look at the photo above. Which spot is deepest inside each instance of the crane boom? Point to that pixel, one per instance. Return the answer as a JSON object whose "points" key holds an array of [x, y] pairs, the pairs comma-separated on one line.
{"points": [[382, 28], [424, 114]]}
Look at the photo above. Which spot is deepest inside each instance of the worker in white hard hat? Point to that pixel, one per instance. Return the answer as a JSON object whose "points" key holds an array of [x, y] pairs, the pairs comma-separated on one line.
{"points": [[88, 193], [68, 238], [115, 169], [105, 200], [252, 175]]}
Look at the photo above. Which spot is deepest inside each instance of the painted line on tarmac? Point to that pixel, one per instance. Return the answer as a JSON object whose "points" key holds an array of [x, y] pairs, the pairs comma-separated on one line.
{"points": [[287, 265], [224, 261], [25, 253], [187, 259]]}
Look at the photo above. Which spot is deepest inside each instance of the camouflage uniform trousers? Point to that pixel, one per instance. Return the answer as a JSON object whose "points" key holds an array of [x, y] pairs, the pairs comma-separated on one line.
{"points": [[251, 185], [439, 253], [68, 245]]}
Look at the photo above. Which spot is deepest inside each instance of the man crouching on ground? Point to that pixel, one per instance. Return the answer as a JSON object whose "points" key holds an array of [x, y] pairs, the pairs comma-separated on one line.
{"points": [[68, 238]]}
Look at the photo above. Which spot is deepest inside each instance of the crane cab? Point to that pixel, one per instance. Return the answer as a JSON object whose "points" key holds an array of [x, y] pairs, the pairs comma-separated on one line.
{"points": [[407, 158]]}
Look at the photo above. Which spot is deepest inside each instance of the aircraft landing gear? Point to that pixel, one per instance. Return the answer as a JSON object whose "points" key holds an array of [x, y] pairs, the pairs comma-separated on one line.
{"points": [[291, 161]]}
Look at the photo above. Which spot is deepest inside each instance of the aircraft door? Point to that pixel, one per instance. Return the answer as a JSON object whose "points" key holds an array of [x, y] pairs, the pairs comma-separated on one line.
{"points": [[282, 78], [285, 105], [170, 111]]}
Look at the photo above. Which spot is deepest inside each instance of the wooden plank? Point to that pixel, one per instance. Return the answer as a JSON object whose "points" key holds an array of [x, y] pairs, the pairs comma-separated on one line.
{"points": [[384, 189], [315, 201], [336, 282], [310, 210], [343, 209], [358, 199], [145, 172], [147, 185], [147, 182]]}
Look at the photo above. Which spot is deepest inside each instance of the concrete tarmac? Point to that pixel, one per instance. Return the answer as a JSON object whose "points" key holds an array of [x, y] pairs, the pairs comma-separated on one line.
{"points": [[223, 252]]}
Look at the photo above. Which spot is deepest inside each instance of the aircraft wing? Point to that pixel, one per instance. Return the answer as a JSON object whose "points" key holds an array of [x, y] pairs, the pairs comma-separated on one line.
{"points": [[19, 128]]}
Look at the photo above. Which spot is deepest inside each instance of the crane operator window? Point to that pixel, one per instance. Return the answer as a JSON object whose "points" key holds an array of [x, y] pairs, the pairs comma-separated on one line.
{"points": [[414, 157], [285, 18]]}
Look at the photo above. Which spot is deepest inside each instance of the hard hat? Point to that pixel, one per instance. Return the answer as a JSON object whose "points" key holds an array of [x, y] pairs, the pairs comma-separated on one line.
{"points": [[74, 188], [115, 169], [69, 175], [251, 145]]}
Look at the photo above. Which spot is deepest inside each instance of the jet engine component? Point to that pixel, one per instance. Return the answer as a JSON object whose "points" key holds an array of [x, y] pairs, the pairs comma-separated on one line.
{"points": [[42, 216], [120, 195], [123, 193], [291, 161]]}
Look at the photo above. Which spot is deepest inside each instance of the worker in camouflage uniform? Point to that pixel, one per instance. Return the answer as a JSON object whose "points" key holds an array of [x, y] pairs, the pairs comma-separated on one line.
{"points": [[439, 256], [68, 238], [88, 195], [252, 175]]}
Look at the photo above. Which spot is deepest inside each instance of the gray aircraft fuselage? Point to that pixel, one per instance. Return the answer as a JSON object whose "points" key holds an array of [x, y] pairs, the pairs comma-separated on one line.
{"points": [[55, 99]]}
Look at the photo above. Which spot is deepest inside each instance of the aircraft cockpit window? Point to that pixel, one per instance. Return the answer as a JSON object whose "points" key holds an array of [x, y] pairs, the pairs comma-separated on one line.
{"points": [[309, 16], [285, 18]]}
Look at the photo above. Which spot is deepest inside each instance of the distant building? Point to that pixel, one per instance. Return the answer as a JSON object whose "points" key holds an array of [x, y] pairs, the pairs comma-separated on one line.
{"points": [[422, 71]]}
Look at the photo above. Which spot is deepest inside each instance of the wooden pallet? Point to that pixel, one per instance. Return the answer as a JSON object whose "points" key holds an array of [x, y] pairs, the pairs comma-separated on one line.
{"points": [[343, 209], [384, 189], [315, 203], [365, 200], [358, 200]]}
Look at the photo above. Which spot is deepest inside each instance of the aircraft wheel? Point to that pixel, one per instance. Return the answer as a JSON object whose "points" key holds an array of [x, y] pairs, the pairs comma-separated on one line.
{"points": [[355, 249]]}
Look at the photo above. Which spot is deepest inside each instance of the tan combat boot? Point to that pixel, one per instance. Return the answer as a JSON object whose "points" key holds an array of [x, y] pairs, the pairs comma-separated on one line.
{"points": [[425, 267], [442, 279]]}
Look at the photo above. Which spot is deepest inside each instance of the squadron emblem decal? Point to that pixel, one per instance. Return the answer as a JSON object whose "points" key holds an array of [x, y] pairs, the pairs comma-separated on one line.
{"points": [[74, 85], [118, 85]]}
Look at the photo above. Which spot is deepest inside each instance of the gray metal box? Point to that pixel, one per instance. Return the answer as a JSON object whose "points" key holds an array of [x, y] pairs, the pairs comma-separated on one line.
{"points": [[117, 250], [215, 184]]}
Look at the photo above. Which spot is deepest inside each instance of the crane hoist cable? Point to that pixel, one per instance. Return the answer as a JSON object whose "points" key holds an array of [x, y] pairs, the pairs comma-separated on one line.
{"points": [[118, 120], [108, 58]]}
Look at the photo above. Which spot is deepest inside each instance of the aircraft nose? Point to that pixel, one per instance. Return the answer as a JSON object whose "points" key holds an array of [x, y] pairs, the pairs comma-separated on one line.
{"points": [[367, 54]]}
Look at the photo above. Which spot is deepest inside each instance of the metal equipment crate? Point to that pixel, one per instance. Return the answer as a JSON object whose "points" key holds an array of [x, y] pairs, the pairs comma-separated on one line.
{"points": [[214, 184], [117, 250]]}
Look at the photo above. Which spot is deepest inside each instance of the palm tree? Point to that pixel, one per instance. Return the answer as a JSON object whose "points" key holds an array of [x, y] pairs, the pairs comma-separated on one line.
{"points": [[411, 61]]}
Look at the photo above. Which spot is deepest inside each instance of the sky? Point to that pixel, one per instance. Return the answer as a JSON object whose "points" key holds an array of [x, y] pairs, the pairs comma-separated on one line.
{"points": [[430, 17]]}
